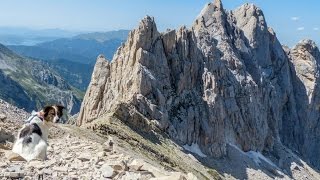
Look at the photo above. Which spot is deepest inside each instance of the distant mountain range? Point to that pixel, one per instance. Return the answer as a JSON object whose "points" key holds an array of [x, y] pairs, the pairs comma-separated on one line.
{"points": [[55, 71], [82, 48], [73, 58], [26, 36], [30, 84], [104, 36]]}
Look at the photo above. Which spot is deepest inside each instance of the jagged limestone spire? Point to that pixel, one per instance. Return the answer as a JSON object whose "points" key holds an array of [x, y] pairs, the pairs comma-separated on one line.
{"points": [[218, 4]]}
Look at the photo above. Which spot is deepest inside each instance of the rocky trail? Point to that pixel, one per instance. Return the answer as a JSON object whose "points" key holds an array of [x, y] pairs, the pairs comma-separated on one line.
{"points": [[73, 153], [71, 157]]}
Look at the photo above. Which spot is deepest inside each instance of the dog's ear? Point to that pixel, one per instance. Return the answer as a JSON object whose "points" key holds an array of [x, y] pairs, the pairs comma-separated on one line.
{"points": [[46, 110], [60, 108]]}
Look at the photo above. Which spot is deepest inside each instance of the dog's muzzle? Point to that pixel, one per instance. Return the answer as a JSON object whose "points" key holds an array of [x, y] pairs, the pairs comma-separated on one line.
{"points": [[56, 119]]}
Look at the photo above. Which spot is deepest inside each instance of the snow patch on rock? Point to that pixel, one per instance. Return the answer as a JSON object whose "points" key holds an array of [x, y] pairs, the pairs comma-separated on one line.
{"points": [[257, 157], [147, 71], [194, 148]]}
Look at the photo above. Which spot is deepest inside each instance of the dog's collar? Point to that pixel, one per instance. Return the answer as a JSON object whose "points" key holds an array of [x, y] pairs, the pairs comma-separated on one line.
{"points": [[40, 116], [35, 114]]}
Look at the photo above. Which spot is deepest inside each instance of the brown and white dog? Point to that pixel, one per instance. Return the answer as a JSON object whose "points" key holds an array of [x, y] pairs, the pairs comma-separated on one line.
{"points": [[32, 139]]}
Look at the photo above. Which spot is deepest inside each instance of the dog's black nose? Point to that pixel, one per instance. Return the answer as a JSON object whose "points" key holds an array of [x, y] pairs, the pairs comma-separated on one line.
{"points": [[57, 120]]}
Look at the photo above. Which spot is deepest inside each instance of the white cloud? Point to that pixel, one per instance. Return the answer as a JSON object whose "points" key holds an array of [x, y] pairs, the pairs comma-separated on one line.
{"points": [[295, 18], [316, 29], [300, 28]]}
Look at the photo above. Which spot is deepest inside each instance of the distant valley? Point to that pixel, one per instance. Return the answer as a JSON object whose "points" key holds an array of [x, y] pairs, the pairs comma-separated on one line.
{"points": [[30, 84], [73, 58], [57, 71]]}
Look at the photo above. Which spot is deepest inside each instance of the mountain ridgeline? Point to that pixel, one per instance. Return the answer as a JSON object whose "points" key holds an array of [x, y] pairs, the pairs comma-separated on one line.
{"points": [[225, 82], [73, 58], [83, 48]]}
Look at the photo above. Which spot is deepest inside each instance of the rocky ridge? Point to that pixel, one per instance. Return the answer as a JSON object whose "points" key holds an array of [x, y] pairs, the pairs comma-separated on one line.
{"points": [[75, 153], [225, 82]]}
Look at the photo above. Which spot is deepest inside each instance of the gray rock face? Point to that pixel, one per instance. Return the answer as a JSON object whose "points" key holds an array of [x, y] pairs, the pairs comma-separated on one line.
{"points": [[227, 80], [305, 59]]}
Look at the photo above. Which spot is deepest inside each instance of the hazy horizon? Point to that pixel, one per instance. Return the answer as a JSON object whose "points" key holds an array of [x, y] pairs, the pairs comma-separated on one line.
{"points": [[291, 20]]}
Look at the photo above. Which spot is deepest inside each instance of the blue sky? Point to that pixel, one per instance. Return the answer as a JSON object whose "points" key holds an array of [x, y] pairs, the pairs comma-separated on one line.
{"points": [[292, 19]]}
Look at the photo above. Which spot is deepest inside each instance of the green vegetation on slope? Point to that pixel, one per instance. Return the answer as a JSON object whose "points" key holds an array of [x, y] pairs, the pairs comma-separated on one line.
{"points": [[35, 84]]}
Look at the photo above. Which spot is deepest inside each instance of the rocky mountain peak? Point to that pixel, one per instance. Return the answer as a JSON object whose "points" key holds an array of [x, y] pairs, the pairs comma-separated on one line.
{"points": [[306, 46], [211, 13], [147, 22], [218, 4], [306, 53], [146, 33], [101, 56], [250, 19], [305, 57], [226, 81]]}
